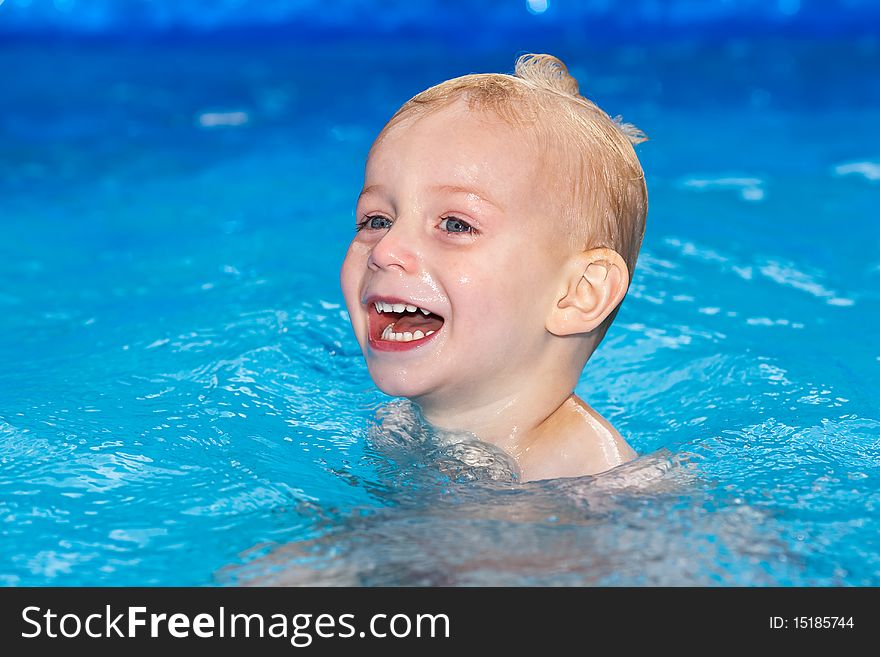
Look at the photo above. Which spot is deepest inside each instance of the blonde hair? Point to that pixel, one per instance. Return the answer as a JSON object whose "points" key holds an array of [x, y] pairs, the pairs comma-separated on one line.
{"points": [[599, 180]]}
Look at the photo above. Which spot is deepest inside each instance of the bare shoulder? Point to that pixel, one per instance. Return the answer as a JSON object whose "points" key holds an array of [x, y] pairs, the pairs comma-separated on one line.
{"points": [[614, 447], [579, 441]]}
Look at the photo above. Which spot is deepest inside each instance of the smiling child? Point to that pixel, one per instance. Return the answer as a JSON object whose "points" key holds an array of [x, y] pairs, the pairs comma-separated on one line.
{"points": [[497, 232]]}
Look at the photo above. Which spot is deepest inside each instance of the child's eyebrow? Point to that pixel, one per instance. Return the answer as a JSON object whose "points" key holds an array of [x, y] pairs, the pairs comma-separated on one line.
{"points": [[449, 189], [459, 189], [366, 191]]}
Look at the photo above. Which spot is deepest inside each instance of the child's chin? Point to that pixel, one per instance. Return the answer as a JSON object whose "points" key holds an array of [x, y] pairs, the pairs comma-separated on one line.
{"points": [[398, 386], [400, 390]]}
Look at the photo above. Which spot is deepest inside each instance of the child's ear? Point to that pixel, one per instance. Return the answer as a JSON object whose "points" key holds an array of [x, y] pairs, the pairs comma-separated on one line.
{"points": [[595, 282]]}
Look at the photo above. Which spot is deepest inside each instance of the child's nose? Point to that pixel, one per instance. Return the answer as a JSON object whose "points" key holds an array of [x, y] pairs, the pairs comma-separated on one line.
{"points": [[395, 249]]}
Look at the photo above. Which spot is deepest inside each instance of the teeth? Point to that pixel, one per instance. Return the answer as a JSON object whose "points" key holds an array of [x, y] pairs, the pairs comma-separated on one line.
{"points": [[382, 307], [389, 335]]}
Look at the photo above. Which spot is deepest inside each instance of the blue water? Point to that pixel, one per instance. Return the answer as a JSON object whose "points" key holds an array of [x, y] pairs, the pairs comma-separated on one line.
{"points": [[182, 401]]}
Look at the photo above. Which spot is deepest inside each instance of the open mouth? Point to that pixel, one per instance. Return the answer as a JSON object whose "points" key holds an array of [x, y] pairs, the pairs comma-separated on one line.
{"points": [[398, 323]]}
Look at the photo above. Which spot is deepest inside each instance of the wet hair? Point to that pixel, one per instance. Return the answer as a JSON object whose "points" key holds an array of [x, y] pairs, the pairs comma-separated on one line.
{"points": [[586, 158]]}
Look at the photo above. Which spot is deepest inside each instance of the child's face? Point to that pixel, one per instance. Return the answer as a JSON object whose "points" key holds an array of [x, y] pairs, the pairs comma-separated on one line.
{"points": [[458, 224]]}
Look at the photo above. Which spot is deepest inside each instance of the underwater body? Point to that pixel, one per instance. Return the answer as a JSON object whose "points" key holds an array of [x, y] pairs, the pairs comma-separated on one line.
{"points": [[184, 402]]}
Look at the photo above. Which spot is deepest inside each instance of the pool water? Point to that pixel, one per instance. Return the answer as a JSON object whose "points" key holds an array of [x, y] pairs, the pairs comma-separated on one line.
{"points": [[182, 400]]}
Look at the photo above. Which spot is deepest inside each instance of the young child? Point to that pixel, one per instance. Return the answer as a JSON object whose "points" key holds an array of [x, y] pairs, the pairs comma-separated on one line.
{"points": [[497, 232]]}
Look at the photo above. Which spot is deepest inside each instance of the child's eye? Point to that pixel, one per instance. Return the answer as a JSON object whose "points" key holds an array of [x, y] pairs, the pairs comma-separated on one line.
{"points": [[374, 222], [455, 225]]}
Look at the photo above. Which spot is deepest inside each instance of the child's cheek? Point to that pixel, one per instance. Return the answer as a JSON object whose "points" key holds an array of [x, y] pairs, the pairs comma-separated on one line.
{"points": [[351, 276], [354, 265], [358, 252], [480, 297]]}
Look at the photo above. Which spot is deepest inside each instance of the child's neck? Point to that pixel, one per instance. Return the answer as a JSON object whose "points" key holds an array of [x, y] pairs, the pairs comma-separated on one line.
{"points": [[547, 437], [513, 422]]}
